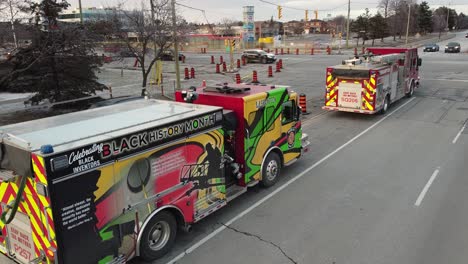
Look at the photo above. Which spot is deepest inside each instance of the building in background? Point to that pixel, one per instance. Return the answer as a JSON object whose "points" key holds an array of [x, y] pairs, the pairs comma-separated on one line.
{"points": [[294, 27], [89, 14], [269, 28]]}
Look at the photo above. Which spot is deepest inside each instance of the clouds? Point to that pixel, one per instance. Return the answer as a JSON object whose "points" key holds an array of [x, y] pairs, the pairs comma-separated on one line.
{"points": [[216, 10]]}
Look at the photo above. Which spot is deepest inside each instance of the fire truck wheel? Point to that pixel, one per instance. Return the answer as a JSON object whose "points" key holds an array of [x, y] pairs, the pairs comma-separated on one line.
{"points": [[158, 236], [271, 170], [386, 104], [411, 91]]}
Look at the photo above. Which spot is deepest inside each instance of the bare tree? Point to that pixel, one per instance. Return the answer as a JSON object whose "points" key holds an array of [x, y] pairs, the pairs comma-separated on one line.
{"points": [[227, 25], [340, 22], [384, 6], [439, 20], [148, 34], [397, 13], [11, 9]]}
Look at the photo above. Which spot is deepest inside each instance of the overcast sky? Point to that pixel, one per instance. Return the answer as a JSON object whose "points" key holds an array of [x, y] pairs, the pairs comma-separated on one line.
{"points": [[219, 9]]}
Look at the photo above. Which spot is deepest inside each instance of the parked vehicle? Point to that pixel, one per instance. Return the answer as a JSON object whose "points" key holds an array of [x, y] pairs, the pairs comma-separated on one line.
{"points": [[106, 184], [431, 48], [168, 55], [257, 55], [369, 85], [452, 47]]}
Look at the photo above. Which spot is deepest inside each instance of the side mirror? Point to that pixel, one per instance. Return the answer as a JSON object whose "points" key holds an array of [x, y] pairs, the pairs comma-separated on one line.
{"points": [[419, 61]]}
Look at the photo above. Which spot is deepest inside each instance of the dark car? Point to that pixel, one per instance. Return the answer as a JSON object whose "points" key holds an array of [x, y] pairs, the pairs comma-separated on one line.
{"points": [[168, 55], [452, 47], [256, 55], [127, 53], [431, 48]]}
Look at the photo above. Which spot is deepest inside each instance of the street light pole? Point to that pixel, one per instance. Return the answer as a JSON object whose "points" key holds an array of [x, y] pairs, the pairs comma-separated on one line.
{"points": [[407, 24], [347, 25]]}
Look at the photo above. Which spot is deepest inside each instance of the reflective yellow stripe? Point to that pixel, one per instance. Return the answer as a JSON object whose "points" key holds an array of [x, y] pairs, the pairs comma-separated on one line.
{"points": [[332, 83], [36, 242], [38, 173], [369, 106], [372, 80], [329, 77]]}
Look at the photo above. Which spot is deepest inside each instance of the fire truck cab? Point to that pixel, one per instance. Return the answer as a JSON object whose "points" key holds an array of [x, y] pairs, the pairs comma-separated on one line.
{"points": [[369, 84]]}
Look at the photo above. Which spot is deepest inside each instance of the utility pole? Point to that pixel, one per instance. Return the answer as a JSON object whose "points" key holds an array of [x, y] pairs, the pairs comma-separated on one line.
{"points": [[176, 44], [347, 25], [81, 12], [407, 24]]}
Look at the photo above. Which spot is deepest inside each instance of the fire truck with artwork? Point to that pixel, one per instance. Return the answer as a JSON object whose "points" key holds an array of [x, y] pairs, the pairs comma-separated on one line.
{"points": [[369, 84], [108, 184]]}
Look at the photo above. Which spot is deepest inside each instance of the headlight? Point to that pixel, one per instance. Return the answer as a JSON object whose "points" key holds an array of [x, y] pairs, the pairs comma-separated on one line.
{"points": [[446, 47], [457, 47]]}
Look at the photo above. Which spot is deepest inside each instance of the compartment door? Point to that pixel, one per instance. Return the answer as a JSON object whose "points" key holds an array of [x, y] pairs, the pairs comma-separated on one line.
{"points": [[349, 95], [21, 242]]}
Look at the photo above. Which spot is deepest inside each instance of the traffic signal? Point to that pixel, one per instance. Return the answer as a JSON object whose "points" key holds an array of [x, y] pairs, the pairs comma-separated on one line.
{"points": [[280, 12], [306, 15]]}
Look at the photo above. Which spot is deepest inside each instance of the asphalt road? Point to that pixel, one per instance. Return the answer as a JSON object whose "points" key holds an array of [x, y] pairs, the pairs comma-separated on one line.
{"points": [[373, 189]]}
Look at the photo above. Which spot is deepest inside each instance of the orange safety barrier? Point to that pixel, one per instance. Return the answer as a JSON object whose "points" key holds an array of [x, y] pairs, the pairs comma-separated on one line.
{"points": [[238, 78], [254, 77], [303, 103], [270, 71], [192, 73], [186, 73]]}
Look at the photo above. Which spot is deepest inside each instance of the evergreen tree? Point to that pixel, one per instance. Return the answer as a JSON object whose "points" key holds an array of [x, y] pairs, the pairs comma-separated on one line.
{"points": [[361, 26], [424, 18], [378, 27], [60, 63]]}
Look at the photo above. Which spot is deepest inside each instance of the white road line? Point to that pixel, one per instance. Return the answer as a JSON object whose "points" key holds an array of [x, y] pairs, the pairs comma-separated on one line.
{"points": [[279, 189], [459, 134], [426, 188], [446, 80]]}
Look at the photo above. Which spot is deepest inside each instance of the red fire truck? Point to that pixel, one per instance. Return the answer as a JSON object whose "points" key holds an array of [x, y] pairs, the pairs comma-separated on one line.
{"points": [[369, 84], [107, 184]]}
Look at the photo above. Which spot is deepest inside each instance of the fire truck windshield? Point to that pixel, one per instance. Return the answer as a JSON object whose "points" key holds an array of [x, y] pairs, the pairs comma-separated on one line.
{"points": [[350, 73]]}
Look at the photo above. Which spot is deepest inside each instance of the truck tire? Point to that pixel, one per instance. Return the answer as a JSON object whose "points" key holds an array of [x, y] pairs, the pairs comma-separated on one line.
{"points": [[270, 170], [411, 91], [386, 105], [158, 237]]}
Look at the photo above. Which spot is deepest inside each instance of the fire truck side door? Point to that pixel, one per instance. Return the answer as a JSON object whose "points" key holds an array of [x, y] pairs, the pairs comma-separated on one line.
{"points": [[289, 118]]}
